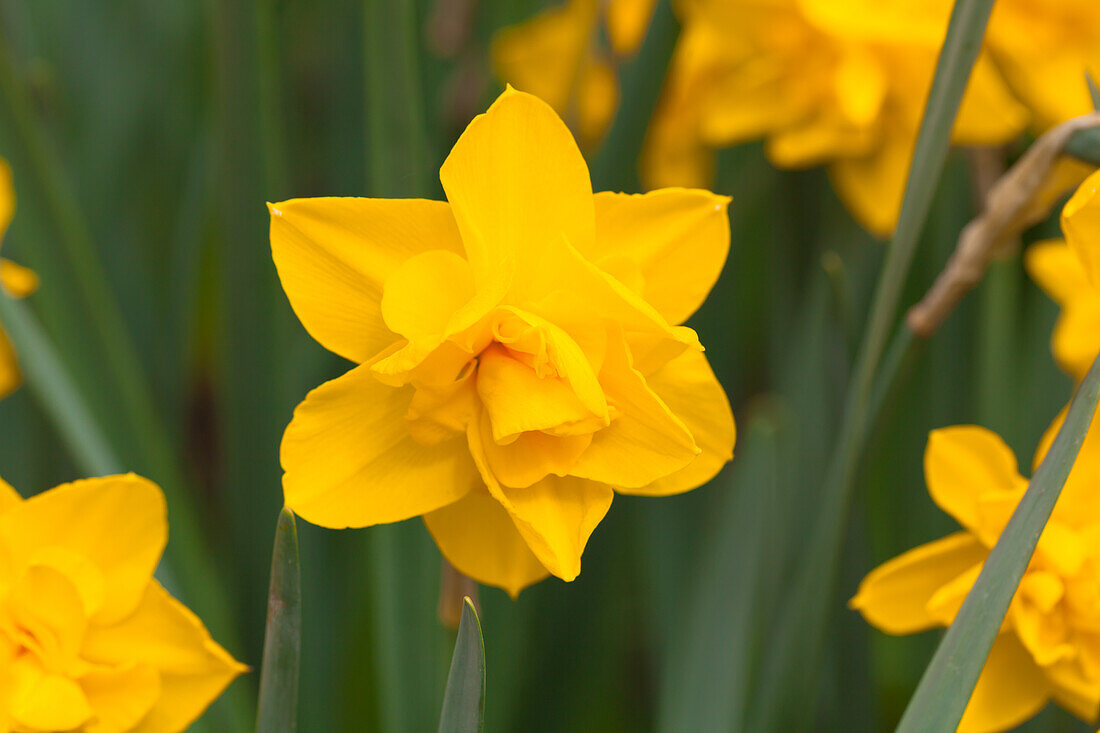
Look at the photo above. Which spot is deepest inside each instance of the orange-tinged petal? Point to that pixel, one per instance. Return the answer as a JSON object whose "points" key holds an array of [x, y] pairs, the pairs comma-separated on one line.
{"points": [[678, 237], [10, 376], [17, 280], [532, 456], [688, 387], [1010, 689], [645, 440], [117, 523], [121, 697], [163, 634], [7, 198], [350, 461], [963, 463], [478, 537], [335, 254], [895, 595], [42, 701], [517, 184], [555, 516], [1081, 225], [45, 605]]}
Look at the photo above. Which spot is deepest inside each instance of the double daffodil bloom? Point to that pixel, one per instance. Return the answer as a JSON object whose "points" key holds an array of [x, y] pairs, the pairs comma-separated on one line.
{"points": [[1070, 273], [517, 356], [89, 641], [556, 56], [1049, 645], [824, 82], [15, 280], [1044, 48]]}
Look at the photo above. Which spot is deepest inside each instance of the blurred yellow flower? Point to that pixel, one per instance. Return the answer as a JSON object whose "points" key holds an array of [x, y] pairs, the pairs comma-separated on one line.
{"points": [[16, 281], [841, 83], [517, 355], [1049, 644], [1070, 273], [556, 56], [89, 641], [1044, 48]]}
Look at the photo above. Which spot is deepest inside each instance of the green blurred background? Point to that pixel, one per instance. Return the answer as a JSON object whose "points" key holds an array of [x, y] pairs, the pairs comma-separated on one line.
{"points": [[145, 139]]}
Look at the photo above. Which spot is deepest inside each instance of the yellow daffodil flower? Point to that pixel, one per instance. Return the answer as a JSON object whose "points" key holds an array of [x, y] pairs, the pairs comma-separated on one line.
{"points": [[1044, 48], [1070, 273], [16, 281], [824, 82], [1049, 645], [518, 358], [556, 57], [89, 641]]}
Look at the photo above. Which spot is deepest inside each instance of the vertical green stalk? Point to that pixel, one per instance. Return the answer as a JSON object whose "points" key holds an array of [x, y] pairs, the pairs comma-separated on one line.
{"points": [[798, 642], [278, 705], [464, 700], [999, 301]]}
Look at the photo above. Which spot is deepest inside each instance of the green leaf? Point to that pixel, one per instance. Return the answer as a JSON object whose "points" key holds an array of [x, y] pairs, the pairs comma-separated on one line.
{"points": [[798, 642], [464, 701], [278, 706], [947, 683]]}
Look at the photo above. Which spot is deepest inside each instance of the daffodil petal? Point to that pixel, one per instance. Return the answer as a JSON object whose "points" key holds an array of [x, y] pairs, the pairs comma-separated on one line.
{"points": [[1076, 338], [532, 456], [165, 635], [679, 238], [334, 255], [43, 701], [479, 538], [543, 55], [1074, 690], [1010, 689], [118, 523], [424, 292], [627, 21], [961, 464], [9, 497], [1081, 225], [872, 185], [1057, 270], [555, 516], [7, 198], [46, 604], [10, 376], [645, 441], [688, 387], [894, 596], [350, 461], [120, 697], [17, 280], [517, 184]]}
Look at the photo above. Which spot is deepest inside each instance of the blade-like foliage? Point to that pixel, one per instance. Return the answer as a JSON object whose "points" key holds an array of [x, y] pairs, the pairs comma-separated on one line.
{"points": [[464, 701], [278, 706]]}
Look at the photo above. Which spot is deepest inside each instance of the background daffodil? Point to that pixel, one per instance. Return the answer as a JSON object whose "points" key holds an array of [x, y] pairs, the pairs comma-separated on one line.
{"points": [[1044, 48], [1049, 645], [557, 56], [89, 641], [519, 358], [1070, 273], [16, 281], [823, 82]]}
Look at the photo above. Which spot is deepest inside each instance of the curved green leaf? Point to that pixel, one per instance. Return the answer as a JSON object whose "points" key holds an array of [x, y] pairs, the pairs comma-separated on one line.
{"points": [[464, 701], [278, 707]]}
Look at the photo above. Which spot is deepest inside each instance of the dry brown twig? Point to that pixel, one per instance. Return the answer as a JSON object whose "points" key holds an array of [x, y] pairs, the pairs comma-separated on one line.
{"points": [[1008, 211]]}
